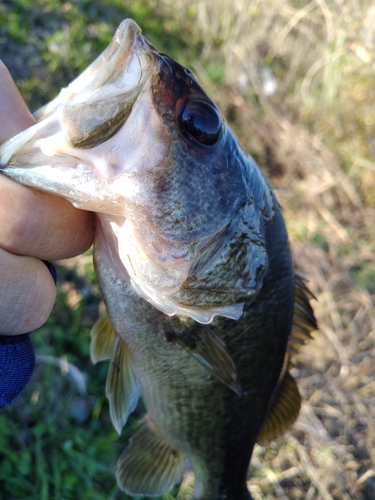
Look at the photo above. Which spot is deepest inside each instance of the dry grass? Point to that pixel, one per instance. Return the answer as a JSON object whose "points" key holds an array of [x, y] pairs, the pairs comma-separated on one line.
{"points": [[314, 137]]}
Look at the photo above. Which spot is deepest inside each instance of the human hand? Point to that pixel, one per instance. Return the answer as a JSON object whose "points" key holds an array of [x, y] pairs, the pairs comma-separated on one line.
{"points": [[33, 226]]}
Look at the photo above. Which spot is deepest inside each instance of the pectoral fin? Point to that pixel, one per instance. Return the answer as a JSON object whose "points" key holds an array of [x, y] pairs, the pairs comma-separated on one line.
{"points": [[102, 339], [211, 351], [122, 388], [149, 465]]}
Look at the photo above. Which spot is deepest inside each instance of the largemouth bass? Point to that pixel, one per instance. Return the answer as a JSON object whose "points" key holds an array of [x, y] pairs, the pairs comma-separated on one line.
{"points": [[188, 234]]}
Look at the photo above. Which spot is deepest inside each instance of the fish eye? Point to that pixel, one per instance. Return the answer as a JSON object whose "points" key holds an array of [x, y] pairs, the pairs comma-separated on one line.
{"points": [[200, 120]]}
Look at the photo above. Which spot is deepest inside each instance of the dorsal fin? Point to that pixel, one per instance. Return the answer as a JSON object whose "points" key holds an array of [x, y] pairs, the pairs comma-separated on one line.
{"points": [[286, 400], [284, 411], [149, 465], [304, 321]]}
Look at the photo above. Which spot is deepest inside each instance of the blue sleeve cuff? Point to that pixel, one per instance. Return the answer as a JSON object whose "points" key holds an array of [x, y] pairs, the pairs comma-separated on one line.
{"points": [[17, 361]]}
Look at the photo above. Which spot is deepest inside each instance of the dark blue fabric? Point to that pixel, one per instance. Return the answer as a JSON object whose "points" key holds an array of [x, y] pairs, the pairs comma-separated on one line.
{"points": [[17, 361]]}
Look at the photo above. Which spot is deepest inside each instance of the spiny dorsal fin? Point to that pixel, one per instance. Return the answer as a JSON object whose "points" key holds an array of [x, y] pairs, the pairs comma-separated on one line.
{"points": [[122, 388], [284, 411], [102, 339], [149, 465], [304, 321], [211, 351]]}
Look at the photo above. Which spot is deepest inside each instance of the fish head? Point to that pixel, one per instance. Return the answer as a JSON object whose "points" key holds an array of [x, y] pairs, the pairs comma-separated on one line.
{"points": [[136, 139]]}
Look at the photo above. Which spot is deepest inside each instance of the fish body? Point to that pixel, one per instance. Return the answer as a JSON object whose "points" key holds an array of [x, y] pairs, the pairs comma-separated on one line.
{"points": [[193, 410], [188, 234]]}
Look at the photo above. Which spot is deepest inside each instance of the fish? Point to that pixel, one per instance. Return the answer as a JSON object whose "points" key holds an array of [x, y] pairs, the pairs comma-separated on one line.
{"points": [[204, 308]]}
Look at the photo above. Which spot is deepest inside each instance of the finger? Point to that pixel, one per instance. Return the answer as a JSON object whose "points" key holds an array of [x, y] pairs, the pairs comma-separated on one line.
{"points": [[40, 225], [27, 293], [13, 109], [31, 222]]}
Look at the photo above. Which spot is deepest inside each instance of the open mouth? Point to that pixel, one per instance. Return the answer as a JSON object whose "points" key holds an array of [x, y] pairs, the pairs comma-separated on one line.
{"points": [[63, 153]]}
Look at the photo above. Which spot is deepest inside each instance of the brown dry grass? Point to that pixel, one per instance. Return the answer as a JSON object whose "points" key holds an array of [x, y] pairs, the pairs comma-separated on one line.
{"points": [[314, 139]]}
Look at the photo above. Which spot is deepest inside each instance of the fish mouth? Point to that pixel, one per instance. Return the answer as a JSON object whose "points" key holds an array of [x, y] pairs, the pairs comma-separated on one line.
{"points": [[63, 152]]}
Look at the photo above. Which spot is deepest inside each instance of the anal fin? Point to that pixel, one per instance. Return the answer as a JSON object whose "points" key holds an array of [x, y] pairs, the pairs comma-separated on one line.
{"points": [[149, 465]]}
